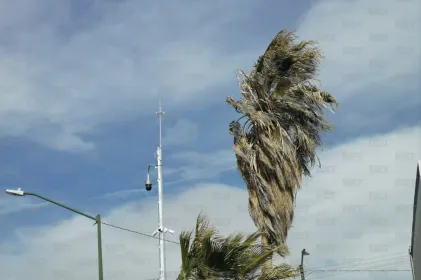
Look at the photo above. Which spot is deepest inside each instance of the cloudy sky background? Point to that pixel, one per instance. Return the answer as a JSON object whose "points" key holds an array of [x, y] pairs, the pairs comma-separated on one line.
{"points": [[80, 83]]}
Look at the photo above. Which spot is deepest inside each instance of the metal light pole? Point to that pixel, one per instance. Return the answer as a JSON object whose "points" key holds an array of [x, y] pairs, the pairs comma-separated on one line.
{"points": [[303, 253], [148, 184], [97, 219]]}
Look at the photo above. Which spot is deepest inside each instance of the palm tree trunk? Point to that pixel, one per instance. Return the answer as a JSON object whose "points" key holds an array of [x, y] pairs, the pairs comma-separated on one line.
{"points": [[265, 242]]}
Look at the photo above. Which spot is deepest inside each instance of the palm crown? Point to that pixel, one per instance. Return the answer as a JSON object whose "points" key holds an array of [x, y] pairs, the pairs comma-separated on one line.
{"points": [[276, 138]]}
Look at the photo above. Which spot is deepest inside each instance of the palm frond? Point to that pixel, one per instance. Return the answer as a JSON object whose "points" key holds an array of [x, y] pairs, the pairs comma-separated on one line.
{"points": [[208, 255]]}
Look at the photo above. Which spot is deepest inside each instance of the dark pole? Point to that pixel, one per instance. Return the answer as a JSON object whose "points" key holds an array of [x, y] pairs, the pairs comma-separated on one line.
{"points": [[100, 269], [97, 220], [302, 272], [303, 253]]}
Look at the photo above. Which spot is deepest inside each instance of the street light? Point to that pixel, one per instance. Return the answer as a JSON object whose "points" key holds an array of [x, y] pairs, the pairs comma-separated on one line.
{"points": [[303, 253], [97, 219]]}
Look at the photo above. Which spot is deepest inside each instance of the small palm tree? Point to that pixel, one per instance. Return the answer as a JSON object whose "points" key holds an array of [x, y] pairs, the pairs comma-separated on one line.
{"points": [[208, 255], [276, 138]]}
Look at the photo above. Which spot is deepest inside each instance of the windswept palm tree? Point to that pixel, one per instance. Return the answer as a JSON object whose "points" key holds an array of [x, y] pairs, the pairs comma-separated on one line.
{"points": [[208, 255], [276, 138]]}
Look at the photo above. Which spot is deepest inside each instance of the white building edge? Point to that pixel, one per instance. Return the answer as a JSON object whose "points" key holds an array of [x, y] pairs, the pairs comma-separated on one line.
{"points": [[415, 249]]}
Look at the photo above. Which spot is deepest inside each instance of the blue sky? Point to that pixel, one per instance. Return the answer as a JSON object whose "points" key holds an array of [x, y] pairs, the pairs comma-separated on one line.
{"points": [[125, 141], [81, 81]]}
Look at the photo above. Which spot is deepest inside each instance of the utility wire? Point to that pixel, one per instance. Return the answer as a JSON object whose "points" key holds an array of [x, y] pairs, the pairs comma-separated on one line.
{"points": [[361, 270], [309, 271], [367, 270], [155, 237], [359, 264], [316, 269], [140, 233], [358, 261]]}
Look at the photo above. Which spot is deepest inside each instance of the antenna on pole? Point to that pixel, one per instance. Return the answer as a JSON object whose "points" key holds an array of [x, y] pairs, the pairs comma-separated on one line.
{"points": [[160, 114]]}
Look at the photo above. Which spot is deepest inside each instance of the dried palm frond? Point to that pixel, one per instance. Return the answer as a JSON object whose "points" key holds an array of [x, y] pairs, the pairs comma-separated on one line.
{"points": [[275, 140]]}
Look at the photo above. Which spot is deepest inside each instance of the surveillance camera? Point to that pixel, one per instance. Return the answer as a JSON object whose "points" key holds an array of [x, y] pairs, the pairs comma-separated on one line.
{"points": [[148, 183]]}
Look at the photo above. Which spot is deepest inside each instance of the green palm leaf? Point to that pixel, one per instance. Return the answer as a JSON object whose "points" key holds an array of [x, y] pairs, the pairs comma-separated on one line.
{"points": [[208, 255]]}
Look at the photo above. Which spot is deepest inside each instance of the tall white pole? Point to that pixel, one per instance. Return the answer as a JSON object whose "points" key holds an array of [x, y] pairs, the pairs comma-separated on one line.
{"points": [[160, 199]]}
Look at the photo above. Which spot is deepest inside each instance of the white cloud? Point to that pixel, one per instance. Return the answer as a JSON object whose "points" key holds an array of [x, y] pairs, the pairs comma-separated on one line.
{"points": [[204, 166], [10, 205], [182, 132], [359, 205], [372, 53], [61, 74], [367, 43], [123, 194], [195, 167]]}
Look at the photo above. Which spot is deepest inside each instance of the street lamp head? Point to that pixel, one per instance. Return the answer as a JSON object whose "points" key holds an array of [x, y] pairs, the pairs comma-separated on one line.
{"points": [[18, 192], [305, 253]]}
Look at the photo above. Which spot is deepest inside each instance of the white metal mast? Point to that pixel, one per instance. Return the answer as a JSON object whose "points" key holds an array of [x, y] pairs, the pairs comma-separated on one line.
{"points": [[161, 230], [148, 184]]}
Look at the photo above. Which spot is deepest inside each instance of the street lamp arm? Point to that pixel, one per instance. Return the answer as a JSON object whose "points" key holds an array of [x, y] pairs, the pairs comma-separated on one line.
{"points": [[62, 205], [149, 167]]}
